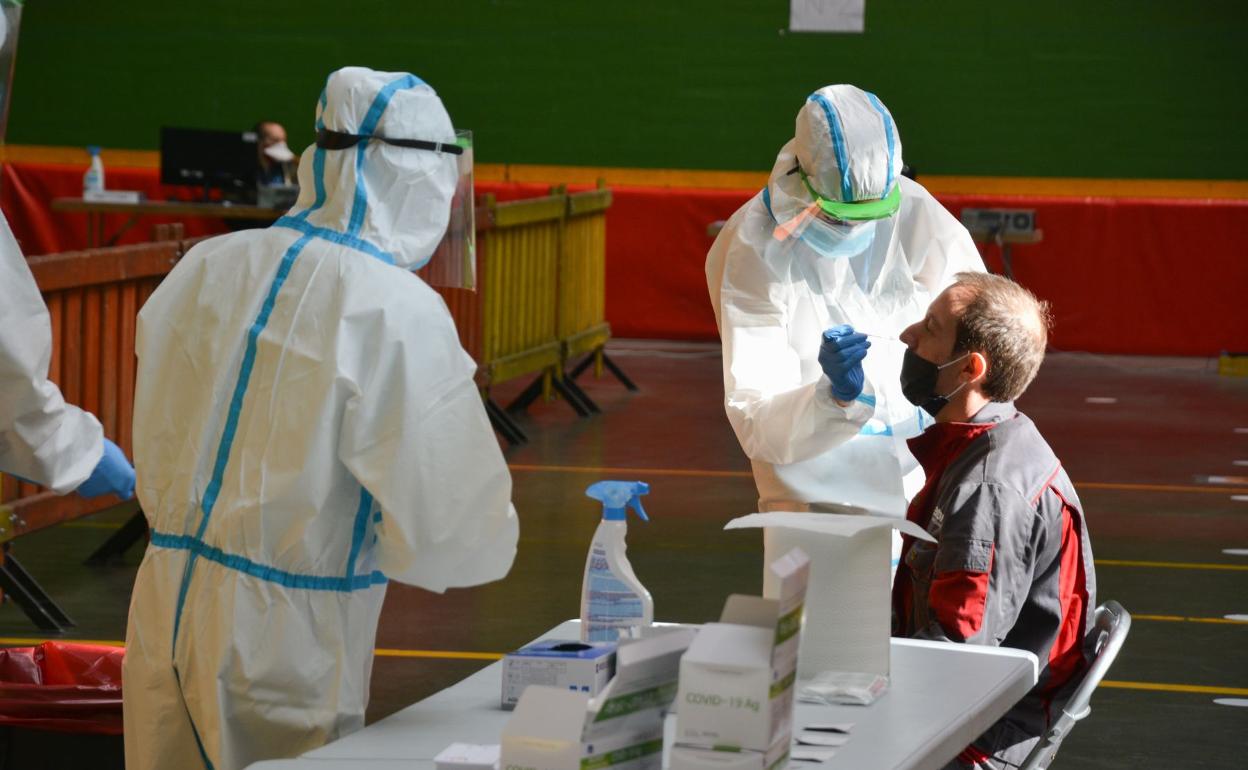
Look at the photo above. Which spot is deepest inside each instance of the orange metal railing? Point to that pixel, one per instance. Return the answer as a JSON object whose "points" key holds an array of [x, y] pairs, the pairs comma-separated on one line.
{"points": [[93, 299]]}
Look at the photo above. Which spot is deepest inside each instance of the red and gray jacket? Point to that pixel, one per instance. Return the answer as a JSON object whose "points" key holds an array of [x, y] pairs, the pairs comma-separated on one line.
{"points": [[1012, 565]]}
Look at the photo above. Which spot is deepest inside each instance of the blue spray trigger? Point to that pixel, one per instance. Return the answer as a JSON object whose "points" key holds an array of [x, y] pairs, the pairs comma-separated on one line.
{"points": [[616, 496]]}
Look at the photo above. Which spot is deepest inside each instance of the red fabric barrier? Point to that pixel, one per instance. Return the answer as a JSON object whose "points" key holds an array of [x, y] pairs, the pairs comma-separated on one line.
{"points": [[1142, 276], [62, 686], [1132, 275]]}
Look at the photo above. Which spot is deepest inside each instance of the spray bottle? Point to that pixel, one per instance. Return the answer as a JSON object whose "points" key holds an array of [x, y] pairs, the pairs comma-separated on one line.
{"points": [[93, 180], [614, 603]]}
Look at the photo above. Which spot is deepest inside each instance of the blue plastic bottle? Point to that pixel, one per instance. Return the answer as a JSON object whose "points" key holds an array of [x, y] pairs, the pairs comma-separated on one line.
{"points": [[614, 603]]}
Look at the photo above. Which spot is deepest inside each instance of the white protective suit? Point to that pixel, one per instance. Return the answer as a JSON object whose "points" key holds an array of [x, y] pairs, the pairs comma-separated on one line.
{"points": [[306, 428], [42, 438], [774, 297]]}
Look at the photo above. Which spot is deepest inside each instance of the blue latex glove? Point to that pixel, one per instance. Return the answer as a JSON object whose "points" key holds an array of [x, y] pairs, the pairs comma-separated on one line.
{"points": [[113, 474], [840, 355]]}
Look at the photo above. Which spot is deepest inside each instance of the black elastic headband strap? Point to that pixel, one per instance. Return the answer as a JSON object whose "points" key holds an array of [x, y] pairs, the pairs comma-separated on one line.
{"points": [[339, 140]]}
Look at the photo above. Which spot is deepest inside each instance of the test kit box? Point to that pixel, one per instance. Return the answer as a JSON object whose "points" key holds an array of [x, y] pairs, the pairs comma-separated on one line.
{"points": [[700, 758], [584, 667], [737, 678], [620, 729]]}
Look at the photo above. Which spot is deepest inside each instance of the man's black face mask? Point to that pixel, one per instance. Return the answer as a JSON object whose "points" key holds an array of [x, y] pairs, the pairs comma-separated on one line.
{"points": [[918, 382]]}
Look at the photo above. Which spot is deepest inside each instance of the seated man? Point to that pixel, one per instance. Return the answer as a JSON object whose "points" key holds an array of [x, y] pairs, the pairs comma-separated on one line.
{"points": [[1012, 565]]}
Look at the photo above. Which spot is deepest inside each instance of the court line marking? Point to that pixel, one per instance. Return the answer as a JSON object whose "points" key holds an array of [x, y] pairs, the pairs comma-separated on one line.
{"points": [[440, 654], [380, 652], [1165, 687], [1222, 479], [527, 468], [457, 655], [631, 471], [1170, 565], [1230, 620]]}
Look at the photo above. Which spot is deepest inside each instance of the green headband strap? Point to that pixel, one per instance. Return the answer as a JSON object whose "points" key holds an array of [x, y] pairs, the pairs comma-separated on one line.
{"points": [[862, 210]]}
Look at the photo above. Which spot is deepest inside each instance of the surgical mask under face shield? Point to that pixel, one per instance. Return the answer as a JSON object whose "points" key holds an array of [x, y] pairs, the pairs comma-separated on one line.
{"points": [[835, 229], [454, 261]]}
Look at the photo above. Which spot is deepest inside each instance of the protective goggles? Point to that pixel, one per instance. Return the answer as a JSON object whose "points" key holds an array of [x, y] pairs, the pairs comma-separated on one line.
{"points": [[854, 212], [340, 140]]}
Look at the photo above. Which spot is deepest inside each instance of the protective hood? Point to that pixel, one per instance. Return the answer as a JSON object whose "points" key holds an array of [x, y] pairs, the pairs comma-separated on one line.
{"points": [[395, 199], [846, 142]]}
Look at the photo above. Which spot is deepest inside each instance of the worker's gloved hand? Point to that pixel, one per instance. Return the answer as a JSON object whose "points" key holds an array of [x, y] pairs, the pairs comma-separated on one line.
{"points": [[840, 355], [113, 474]]}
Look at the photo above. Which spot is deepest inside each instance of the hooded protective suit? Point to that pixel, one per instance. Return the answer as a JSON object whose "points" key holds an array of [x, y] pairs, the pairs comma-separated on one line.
{"points": [[306, 428], [42, 438], [780, 273]]}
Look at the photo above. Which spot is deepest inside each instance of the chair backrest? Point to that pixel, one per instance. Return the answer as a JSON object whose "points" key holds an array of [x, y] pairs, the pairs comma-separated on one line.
{"points": [[1109, 630]]}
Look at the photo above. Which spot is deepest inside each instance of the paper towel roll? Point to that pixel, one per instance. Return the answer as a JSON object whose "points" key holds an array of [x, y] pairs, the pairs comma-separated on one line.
{"points": [[848, 614]]}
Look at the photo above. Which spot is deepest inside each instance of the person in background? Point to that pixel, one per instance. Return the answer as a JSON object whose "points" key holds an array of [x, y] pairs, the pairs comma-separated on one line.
{"points": [[310, 430], [274, 159], [1012, 562], [43, 439]]}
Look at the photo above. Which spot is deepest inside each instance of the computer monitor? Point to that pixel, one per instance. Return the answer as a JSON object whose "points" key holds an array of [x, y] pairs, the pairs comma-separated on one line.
{"points": [[220, 160]]}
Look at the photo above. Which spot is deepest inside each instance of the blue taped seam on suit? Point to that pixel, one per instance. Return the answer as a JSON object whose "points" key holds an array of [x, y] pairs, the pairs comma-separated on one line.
{"points": [[333, 236], [868, 400], [367, 128], [888, 132], [838, 142], [199, 744], [236, 408], [266, 572], [360, 528], [318, 161], [867, 430]]}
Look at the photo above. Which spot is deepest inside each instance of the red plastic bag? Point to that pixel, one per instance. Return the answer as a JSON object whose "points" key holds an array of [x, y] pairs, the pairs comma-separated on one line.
{"points": [[62, 686]]}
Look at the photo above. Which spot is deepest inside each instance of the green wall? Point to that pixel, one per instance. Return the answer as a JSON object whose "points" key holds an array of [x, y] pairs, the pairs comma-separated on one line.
{"points": [[1147, 89]]}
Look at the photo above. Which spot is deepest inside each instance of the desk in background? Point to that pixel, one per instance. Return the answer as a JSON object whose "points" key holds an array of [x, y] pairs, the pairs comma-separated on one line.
{"points": [[97, 210]]}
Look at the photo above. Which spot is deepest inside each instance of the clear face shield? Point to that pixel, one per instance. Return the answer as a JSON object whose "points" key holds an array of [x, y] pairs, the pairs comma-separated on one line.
{"points": [[454, 261], [10, 23], [834, 228]]}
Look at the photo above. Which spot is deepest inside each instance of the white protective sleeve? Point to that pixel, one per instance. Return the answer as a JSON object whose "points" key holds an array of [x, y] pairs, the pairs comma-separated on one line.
{"points": [[423, 447], [42, 439], [780, 407], [936, 244]]}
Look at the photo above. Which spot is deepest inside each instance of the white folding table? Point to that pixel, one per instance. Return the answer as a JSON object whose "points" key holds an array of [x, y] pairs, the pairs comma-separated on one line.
{"points": [[942, 696]]}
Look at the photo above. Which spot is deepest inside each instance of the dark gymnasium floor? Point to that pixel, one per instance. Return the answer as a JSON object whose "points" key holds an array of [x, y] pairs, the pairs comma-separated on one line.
{"points": [[1141, 438]]}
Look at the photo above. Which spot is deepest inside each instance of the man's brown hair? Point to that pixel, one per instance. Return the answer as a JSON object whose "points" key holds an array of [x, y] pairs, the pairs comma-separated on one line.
{"points": [[1009, 326]]}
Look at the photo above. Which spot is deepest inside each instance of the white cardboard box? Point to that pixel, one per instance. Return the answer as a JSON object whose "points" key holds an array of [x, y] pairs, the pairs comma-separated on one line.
{"points": [[701, 758], [621, 729], [848, 615], [564, 664], [737, 679]]}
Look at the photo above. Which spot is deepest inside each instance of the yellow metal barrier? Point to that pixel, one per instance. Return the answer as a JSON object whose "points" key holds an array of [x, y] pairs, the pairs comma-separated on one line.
{"points": [[519, 261], [541, 268], [582, 319]]}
